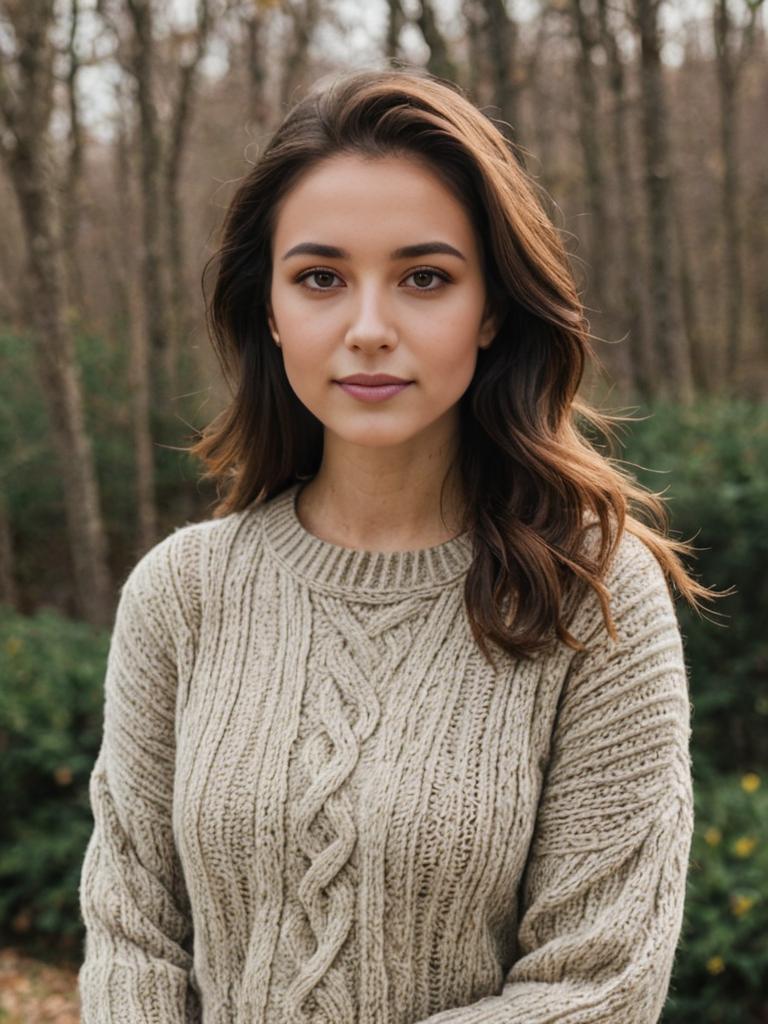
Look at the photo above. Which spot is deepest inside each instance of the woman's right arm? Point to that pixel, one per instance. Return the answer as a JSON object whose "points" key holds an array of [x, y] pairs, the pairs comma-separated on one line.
{"points": [[133, 898]]}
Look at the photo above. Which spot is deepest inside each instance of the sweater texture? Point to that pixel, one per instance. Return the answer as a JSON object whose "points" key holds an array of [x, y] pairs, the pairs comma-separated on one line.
{"points": [[316, 801]]}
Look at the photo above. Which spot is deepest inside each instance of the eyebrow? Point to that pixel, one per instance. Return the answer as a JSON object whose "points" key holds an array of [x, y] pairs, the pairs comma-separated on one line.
{"points": [[404, 252]]}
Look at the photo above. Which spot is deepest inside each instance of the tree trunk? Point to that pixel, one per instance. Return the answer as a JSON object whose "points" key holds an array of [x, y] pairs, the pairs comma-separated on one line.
{"points": [[303, 24], [440, 62], [733, 271], [72, 206], [258, 110], [600, 257], [674, 364], [146, 505], [543, 133], [474, 20], [502, 45], [636, 367], [60, 378], [26, 151], [127, 277], [179, 130], [701, 366], [395, 20], [153, 270], [9, 594]]}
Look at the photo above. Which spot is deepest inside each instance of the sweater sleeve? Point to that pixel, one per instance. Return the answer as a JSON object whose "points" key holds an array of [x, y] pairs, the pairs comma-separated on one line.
{"points": [[133, 899], [602, 895]]}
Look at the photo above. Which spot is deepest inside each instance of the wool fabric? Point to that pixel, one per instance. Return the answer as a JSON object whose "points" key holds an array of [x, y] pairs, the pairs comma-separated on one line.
{"points": [[316, 801]]}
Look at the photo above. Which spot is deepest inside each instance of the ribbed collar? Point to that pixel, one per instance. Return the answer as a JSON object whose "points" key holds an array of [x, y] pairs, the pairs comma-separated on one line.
{"points": [[377, 575]]}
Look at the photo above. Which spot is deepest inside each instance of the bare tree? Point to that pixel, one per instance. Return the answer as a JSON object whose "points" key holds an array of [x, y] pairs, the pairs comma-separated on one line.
{"points": [[72, 191], [126, 274], [543, 104], [304, 16], [440, 61], [395, 22], [26, 104], [674, 365], [506, 72], [142, 64], [599, 241], [255, 22], [702, 369], [178, 132], [732, 44], [638, 367], [477, 57]]}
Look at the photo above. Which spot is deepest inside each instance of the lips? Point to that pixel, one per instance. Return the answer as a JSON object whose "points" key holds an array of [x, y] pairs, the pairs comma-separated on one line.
{"points": [[373, 392], [372, 380]]}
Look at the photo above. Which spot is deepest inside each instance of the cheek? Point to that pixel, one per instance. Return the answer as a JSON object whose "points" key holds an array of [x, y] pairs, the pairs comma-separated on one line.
{"points": [[306, 327], [450, 336], [303, 334], [307, 359]]}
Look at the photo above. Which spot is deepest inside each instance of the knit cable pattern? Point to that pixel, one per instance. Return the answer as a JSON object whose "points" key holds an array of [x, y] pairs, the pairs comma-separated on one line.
{"points": [[356, 665]]}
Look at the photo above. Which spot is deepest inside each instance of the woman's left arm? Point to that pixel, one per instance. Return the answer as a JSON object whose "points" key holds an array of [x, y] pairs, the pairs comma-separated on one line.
{"points": [[604, 886]]}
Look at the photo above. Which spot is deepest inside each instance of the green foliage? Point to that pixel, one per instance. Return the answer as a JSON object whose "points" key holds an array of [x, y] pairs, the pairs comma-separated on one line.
{"points": [[712, 463], [29, 478], [722, 962], [50, 729]]}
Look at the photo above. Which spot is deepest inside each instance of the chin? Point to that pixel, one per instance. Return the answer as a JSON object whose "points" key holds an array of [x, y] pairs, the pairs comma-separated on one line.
{"points": [[372, 435]]}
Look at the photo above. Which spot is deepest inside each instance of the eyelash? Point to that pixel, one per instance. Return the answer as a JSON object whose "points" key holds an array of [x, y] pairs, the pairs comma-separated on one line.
{"points": [[419, 270]]}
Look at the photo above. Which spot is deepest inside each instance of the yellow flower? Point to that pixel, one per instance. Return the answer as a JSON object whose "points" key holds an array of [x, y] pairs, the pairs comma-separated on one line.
{"points": [[715, 965], [13, 645], [741, 904], [744, 846], [750, 782], [713, 835]]}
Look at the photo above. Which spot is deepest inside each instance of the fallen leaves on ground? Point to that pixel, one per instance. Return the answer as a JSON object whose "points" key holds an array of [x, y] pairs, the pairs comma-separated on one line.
{"points": [[33, 992]]}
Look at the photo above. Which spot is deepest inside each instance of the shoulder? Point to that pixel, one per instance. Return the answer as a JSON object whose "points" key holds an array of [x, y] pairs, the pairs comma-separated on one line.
{"points": [[171, 579], [171, 562], [632, 557], [636, 590]]}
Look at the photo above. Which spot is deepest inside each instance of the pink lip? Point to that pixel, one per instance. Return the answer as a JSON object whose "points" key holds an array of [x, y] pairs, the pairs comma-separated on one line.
{"points": [[370, 380], [373, 393]]}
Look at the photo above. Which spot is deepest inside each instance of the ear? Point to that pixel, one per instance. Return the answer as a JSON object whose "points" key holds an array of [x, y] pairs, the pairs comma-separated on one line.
{"points": [[488, 328], [271, 320]]}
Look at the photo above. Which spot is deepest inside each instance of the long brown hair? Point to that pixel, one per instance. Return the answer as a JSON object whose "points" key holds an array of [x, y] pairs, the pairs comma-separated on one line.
{"points": [[532, 482]]}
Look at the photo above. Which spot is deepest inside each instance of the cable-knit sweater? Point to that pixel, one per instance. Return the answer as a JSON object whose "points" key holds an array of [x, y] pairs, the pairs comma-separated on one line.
{"points": [[316, 800]]}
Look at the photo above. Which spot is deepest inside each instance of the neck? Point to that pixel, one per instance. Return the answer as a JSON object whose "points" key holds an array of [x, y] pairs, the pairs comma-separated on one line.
{"points": [[380, 503]]}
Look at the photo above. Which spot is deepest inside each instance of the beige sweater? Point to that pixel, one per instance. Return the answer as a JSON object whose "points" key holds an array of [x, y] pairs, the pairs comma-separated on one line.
{"points": [[316, 801]]}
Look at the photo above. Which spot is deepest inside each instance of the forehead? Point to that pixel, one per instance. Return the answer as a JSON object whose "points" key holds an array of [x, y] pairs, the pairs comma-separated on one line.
{"points": [[391, 200]]}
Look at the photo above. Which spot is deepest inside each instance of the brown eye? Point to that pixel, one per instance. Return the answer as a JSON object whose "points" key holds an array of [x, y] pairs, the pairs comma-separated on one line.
{"points": [[424, 278], [323, 279]]}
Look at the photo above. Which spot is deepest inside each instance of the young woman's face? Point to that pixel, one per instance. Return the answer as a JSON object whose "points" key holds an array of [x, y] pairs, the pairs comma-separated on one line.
{"points": [[347, 296]]}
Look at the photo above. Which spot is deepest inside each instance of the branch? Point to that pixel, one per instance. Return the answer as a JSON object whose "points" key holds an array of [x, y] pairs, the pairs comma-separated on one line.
{"points": [[748, 31]]}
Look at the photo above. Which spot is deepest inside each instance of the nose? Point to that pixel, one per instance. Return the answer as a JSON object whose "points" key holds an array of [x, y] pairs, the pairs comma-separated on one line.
{"points": [[371, 326]]}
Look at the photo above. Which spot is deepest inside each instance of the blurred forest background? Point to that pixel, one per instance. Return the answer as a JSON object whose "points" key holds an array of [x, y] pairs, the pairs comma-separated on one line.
{"points": [[124, 127]]}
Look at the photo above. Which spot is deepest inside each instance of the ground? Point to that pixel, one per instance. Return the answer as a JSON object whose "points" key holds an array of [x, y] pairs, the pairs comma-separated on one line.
{"points": [[33, 992]]}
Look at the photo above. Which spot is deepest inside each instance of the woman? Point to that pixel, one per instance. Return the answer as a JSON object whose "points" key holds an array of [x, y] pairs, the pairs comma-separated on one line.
{"points": [[400, 734]]}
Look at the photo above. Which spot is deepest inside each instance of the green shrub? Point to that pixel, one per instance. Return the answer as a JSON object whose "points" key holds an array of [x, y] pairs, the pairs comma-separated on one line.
{"points": [[712, 459], [50, 728], [722, 963]]}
